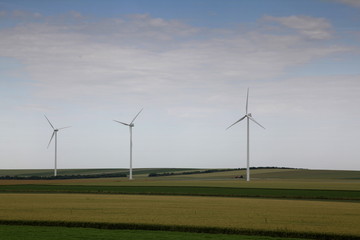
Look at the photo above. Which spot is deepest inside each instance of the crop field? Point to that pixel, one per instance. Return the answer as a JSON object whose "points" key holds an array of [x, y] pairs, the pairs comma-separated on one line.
{"points": [[61, 233], [278, 203], [190, 191], [262, 214]]}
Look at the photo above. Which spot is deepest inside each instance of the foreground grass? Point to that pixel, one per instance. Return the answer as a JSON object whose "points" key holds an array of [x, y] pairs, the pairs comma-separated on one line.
{"points": [[193, 191], [319, 217], [8, 232]]}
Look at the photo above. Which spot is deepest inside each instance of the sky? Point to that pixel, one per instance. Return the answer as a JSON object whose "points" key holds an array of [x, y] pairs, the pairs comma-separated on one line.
{"points": [[189, 64]]}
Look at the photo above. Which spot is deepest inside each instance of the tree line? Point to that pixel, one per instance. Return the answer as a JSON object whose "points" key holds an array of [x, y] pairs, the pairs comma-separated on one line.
{"points": [[208, 171], [105, 175]]}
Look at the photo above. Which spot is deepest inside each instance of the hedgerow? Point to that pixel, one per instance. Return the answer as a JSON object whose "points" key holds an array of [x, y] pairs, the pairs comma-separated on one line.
{"points": [[105, 175], [208, 171]]}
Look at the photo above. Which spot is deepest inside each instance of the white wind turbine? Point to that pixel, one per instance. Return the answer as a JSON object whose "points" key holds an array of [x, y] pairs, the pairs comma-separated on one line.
{"points": [[52, 136], [130, 125], [248, 117]]}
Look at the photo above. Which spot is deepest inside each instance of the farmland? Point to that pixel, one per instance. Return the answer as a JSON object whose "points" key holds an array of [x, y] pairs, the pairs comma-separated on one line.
{"points": [[190, 191], [278, 202], [60, 233]]}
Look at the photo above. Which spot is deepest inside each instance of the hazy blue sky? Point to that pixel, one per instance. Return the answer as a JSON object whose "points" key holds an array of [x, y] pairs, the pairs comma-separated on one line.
{"points": [[188, 63]]}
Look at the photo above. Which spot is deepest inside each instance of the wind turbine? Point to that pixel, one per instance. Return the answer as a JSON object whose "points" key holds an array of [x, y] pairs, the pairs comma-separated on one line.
{"points": [[130, 125], [248, 117], [52, 136]]}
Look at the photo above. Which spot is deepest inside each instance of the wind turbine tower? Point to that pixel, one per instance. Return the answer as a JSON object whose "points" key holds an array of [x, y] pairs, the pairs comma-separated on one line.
{"points": [[52, 136], [130, 125], [248, 117]]}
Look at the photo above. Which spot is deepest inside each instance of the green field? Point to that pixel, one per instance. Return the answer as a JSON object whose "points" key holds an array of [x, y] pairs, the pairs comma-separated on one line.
{"points": [[191, 191], [314, 204], [61, 233]]}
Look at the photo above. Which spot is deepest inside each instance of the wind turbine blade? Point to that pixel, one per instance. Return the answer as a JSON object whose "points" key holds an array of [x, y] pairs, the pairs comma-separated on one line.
{"points": [[49, 122], [136, 116], [64, 127], [252, 119], [52, 136], [247, 101], [122, 123], [236, 122]]}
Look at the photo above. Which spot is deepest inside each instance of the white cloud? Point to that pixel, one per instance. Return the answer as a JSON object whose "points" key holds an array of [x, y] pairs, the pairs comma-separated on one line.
{"points": [[152, 60], [313, 28]]}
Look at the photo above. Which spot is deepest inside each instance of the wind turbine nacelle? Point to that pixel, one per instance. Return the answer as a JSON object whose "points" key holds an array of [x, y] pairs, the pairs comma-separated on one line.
{"points": [[249, 115], [131, 125]]}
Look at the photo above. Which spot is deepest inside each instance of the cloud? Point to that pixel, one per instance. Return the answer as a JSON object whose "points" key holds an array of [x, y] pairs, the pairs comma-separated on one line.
{"points": [[155, 60], [353, 3], [313, 28]]}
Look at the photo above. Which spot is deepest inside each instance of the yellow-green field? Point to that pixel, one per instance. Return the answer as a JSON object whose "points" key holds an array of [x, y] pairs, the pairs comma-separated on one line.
{"points": [[264, 214]]}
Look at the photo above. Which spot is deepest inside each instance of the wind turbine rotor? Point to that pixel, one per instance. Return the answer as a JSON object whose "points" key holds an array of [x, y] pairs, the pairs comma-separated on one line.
{"points": [[49, 122], [236, 122], [252, 119], [63, 128], [52, 136], [122, 123], [136, 116], [247, 101]]}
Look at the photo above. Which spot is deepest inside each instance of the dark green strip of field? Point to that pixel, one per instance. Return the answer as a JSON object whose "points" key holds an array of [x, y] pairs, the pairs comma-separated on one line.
{"points": [[154, 231], [59, 233], [188, 191]]}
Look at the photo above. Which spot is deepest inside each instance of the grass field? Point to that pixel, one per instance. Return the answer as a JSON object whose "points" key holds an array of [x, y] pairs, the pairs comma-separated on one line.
{"points": [[189, 190], [327, 203], [61, 233]]}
